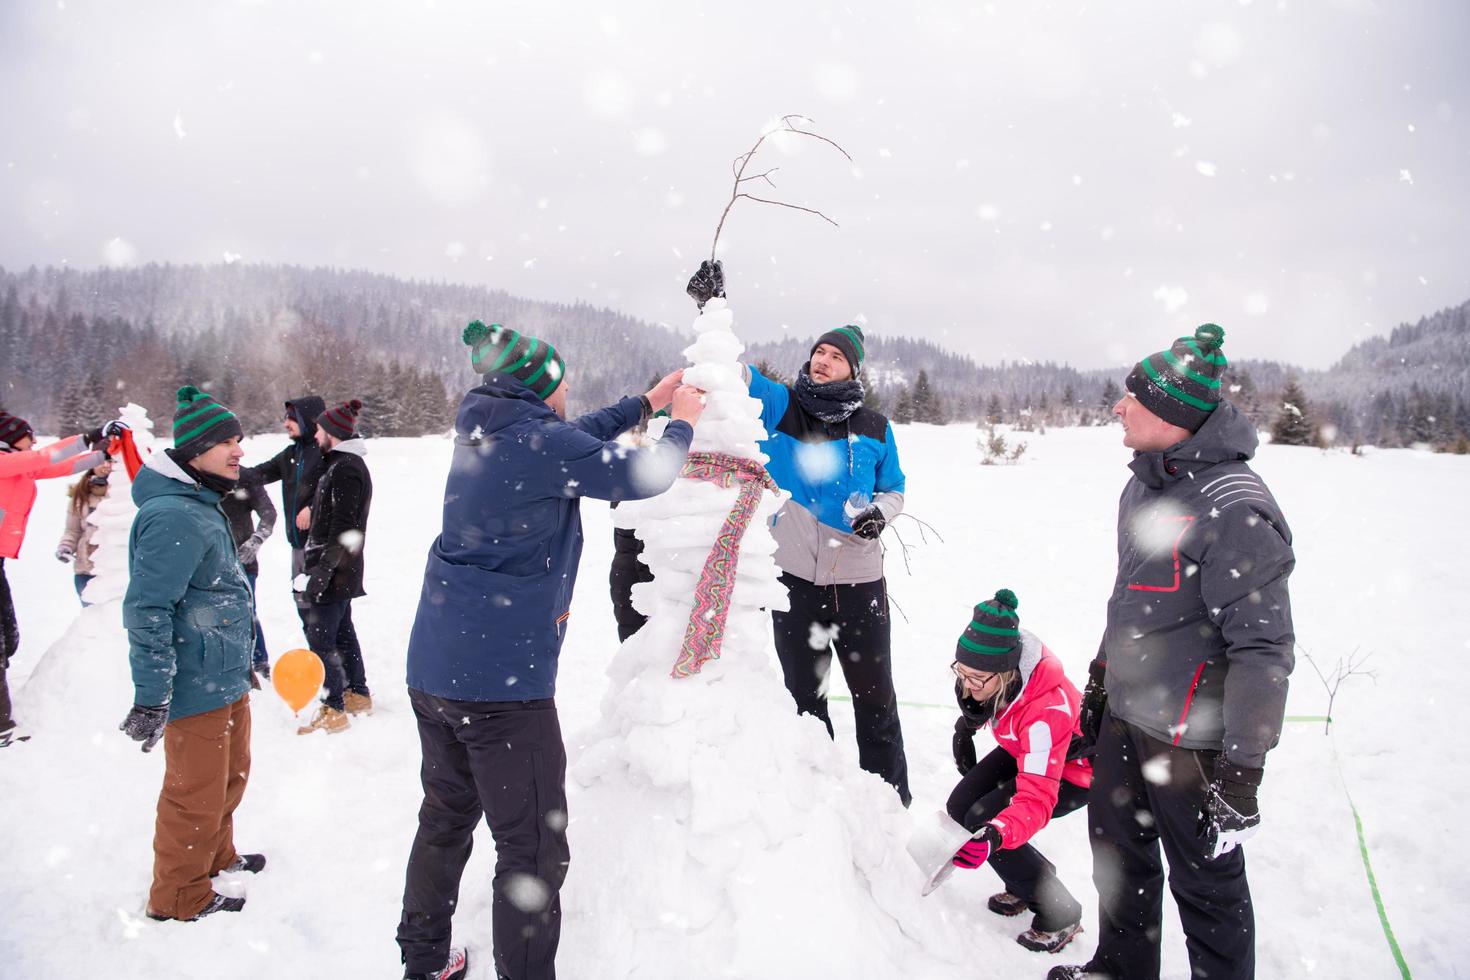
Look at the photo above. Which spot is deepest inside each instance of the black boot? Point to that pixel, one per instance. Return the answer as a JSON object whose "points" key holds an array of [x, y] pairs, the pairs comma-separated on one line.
{"points": [[1004, 903], [254, 863], [219, 903], [455, 969]]}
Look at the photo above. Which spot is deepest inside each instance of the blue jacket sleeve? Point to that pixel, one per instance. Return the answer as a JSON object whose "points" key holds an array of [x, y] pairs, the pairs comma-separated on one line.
{"points": [[890, 478], [584, 466], [613, 421], [774, 399], [166, 550]]}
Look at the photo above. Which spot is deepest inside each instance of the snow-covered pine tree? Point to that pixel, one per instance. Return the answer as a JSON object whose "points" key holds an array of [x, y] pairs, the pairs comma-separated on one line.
{"points": [[903, 407], [1293, 426]]}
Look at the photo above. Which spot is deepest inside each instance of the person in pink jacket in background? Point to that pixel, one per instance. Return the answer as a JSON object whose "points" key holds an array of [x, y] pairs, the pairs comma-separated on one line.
{"points": [[21, 465], [1007, 679]]}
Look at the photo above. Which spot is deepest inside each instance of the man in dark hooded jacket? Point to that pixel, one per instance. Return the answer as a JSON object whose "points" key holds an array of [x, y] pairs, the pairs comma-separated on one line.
{"points": [[298, 466], [482, 657], [1188, 691]]}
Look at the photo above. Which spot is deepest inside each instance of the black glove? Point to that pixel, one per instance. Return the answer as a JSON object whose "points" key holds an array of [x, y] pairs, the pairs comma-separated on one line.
{"points": [[1231, 815], [1094, 702], [248, 548], [963, 745], [65, 553], [145, 725], [707, 283], [105, 432], [869, 524]]}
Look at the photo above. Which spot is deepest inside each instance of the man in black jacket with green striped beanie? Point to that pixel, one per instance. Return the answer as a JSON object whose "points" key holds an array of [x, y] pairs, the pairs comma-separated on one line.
{"points": [[1189, 685]]}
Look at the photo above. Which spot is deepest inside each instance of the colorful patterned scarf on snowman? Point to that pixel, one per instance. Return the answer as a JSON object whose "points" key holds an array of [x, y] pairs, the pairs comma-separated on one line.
{"points": [[706, 630]]}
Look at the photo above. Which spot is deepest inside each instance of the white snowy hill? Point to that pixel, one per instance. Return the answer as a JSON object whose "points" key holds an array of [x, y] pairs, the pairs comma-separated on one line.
{"points": [[1379, 539]]}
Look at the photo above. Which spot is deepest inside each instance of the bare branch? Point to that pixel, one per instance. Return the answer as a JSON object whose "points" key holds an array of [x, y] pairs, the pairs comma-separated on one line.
{"points": [[796, 207], [788, 124], [766, 176]]}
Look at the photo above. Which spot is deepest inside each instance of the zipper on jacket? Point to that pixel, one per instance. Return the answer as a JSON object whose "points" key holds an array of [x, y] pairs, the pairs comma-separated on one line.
{"points": [[1188, 700]]}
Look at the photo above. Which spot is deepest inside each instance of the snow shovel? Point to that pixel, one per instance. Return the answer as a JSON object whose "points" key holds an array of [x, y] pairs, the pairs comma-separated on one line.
{"points": [[932, 845]]}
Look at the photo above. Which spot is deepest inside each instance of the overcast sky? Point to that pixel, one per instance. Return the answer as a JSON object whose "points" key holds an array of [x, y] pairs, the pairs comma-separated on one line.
{"points": [[1069, 181]]}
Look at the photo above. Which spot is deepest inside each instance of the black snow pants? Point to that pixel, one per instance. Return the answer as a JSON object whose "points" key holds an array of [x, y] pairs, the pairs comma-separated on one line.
{"points": [[852, 622], [332, 636], [9, 643], [504, 760], [986, 790], [626, 572], [1130, 813]]}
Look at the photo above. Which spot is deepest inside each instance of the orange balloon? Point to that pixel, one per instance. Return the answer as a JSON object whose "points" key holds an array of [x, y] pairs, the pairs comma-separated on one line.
{"points": [[297, 676]]}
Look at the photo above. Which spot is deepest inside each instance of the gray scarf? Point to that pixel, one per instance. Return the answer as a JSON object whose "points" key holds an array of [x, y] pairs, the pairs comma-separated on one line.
{"points": [[833, 402]]}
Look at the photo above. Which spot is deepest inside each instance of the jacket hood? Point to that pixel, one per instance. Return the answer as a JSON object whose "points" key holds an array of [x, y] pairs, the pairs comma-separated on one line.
{"points": [[162, 477], [499, 402], [305, 411], [356, 446], [1227, 436], [1041, 671]]}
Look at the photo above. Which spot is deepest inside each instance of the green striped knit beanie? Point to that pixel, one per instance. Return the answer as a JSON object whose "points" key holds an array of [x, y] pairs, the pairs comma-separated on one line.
{"points": [[501, 350], [992, 641], [201, 423], [1181, 385], [849, 340]]}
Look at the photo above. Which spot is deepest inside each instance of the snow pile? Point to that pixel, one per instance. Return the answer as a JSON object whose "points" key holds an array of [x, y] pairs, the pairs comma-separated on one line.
{"points": [[700, 800]]}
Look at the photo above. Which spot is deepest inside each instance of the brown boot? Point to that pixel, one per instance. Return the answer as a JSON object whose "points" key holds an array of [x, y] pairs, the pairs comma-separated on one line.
{"points": [[326, 719], [358, 704]]}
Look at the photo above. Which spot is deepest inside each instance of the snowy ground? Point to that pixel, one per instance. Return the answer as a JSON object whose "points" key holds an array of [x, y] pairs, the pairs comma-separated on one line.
{"points": [[1380, 541]]}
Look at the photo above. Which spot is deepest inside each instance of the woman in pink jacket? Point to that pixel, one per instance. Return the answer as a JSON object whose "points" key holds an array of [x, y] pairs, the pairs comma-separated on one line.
{"points": [[1006, 678], [20, 467]]}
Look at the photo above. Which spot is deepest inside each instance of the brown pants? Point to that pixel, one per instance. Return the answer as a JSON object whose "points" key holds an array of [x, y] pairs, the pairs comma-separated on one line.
{"points": [[206, 764]]}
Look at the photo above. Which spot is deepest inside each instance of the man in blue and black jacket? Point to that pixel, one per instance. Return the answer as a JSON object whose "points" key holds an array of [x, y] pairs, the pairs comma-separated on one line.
{"points": [[482, 657], [839, 462]]}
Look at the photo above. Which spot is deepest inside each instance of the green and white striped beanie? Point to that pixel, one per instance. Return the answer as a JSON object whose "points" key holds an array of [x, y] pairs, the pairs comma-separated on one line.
{"points": [[501, 350], [201, 423], [992, 641], [1181, 385]]}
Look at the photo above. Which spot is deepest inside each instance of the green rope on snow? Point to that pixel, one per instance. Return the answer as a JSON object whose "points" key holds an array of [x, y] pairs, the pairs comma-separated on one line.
{"points": [[1393, 944]]}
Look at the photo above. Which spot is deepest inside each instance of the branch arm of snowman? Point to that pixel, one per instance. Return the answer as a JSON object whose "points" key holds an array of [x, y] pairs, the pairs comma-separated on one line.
{"points": [[788, 124]]}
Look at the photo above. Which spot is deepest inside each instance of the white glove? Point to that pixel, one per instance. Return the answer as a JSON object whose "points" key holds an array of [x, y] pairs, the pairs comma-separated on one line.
{"points": [[298, 584]]}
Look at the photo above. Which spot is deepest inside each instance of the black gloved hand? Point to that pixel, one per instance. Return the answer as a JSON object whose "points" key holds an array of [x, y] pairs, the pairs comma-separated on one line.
{"points": [[144, 724], [870, 523], [1094, 702], [1231, 815], [104, 432], [963, 746], [249, 548], [707, 283]]}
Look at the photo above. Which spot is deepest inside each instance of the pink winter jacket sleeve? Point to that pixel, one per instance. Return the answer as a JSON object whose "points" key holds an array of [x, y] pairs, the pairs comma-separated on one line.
{"points": [[1037, 731], [64, 458]]}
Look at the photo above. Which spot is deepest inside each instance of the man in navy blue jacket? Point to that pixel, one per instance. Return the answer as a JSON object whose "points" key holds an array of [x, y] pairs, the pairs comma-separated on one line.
{"points": [[483, 654]]}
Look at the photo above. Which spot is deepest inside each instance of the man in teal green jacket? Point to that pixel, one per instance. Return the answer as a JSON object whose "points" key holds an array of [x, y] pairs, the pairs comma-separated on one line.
{"points": [[190, 634]]}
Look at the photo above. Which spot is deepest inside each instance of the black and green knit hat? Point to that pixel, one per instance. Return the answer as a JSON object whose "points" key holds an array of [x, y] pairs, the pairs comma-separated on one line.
{"points": [[849, 340], [501, 350], [1181, 385], [992, 641], [200, 423]]}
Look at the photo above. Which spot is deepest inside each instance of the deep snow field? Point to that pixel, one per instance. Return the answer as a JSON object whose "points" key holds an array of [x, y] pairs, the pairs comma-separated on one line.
{"points": [[1380, 542]]}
